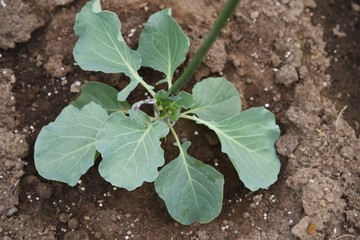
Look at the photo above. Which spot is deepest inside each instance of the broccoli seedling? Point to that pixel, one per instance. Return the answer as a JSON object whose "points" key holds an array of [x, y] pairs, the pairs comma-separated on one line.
{"points": [[101, 121]]}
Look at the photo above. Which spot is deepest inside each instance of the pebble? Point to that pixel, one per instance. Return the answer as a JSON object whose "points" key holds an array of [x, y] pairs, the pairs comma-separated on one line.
{"points": [[286, 75], [246, 215], [254, 14], [75, 87], [355, 7], [310, 3], [11, 211], [73, 223]]}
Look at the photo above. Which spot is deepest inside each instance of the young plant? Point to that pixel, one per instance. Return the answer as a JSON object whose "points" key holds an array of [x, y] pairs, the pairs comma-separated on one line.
{"points": [[100, 121]]}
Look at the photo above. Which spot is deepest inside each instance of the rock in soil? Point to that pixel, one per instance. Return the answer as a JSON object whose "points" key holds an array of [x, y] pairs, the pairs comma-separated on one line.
{"points": [[286, 75]]}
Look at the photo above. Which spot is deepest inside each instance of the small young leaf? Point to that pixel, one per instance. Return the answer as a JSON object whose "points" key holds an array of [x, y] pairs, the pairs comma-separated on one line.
{"points": [[65, 149], [102, 94], [215, 99], [162, 44], [192, 190], [171, 106], [102, 48], [248, 139], [130, 149]]}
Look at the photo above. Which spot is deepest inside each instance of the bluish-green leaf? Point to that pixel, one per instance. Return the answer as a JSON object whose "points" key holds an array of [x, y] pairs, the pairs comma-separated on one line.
{"points": [[102, 48], [162, 44], [65, 149], [248, 139], [192, 190], [130, 147], [215, 99], [102, 94]]}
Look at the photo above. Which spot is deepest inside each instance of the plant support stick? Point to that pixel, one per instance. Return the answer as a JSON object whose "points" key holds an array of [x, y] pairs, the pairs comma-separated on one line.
{"points": [[205, 46]]}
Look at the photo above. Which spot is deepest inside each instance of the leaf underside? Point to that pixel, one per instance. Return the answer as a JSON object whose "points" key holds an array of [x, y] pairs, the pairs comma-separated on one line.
{"points": [[102, 94], [192, 190], [101, 47], [65, 149], [130, 147], [162, 44], [215, 99], [248, 139]]}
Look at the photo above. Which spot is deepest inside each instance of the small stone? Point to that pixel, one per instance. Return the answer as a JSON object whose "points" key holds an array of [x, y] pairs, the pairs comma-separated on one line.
{"points": [[7, 238], [75, 87], [246, 215], [73, 223], [286, 75], [11, 211], [64, 217], [355, 7], [128, 215], [310, 3], [236, 62], [300, 229], [202, 235], [212, 139], [337, 32], [254, 15]]}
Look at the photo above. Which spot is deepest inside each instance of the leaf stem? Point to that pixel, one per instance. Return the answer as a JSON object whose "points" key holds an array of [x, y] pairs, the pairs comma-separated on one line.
{"points": [[189, 117], [178, 143], [219, 23], [145, 85]]}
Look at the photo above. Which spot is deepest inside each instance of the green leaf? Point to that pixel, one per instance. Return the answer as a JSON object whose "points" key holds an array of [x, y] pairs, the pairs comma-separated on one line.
{"points": [[192, 190], [170, 106], [248, 139], [162, 44], [101, 94], [65, 149], [215, 99], [102, 48], [130, 148]]}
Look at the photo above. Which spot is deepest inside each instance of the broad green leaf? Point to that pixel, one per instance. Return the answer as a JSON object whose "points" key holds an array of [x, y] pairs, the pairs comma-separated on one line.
{"points": [[215, 99], [248, 139], [102, 48], [102, 94], [162, 44], [171, 106], [192, 190], [65, 149], [130, 147]]}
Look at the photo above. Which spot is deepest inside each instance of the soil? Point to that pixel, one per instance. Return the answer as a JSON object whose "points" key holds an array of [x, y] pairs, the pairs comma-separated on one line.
{"points": [[299, 58]]}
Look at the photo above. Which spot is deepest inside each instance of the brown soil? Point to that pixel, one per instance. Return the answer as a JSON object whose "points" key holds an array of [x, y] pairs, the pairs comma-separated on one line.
{"points": [[300, 59]]}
